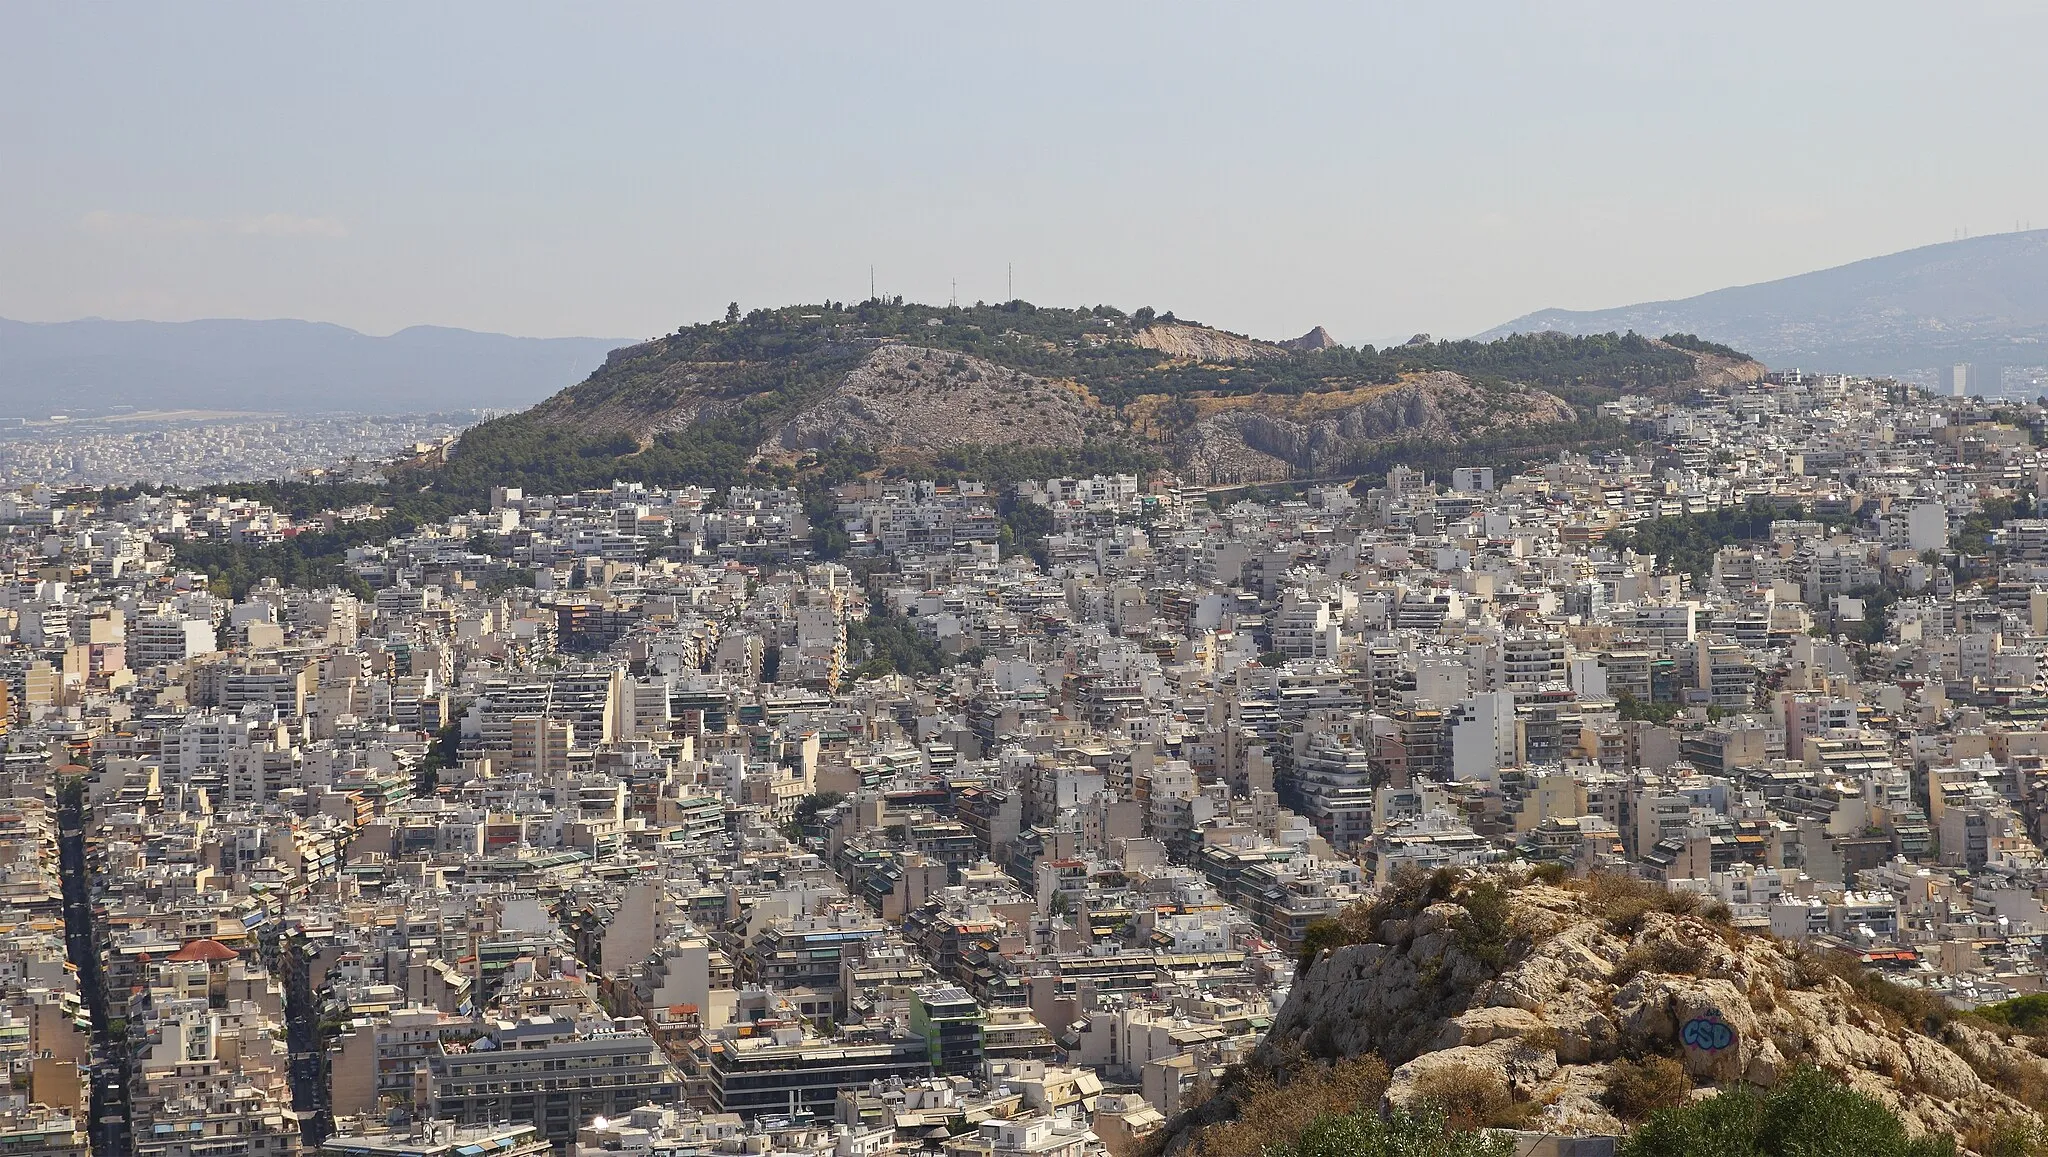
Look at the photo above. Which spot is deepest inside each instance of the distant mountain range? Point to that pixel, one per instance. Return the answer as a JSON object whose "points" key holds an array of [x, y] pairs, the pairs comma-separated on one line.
{"points": [[1983, 300], [93, 366]]}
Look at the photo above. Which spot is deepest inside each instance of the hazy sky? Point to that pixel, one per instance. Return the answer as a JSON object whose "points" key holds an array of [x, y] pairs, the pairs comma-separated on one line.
{"points": [[1378, 169]]}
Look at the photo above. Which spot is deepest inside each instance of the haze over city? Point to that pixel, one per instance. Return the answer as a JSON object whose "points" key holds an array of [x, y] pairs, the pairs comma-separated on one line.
{"points": [[614, 172]]}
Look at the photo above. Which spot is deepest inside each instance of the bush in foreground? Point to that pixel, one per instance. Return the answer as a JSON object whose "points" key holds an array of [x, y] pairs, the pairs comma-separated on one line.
{"points": [[1810, 1115], [2027, 1014], [1474, 1098], [1636, 1090], [1270, 1115], [1423, 1132]]}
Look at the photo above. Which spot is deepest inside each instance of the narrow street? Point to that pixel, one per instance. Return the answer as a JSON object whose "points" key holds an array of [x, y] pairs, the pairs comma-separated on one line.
{"points": [[302, 1013], [110, 1054]]}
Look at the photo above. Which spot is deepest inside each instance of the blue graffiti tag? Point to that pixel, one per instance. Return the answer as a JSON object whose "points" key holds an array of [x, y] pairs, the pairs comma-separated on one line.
{"points": [[1708, 1033]]}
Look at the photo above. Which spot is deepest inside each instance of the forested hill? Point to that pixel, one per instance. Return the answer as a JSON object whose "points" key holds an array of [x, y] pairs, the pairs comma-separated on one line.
{"points": [[771, 390]]}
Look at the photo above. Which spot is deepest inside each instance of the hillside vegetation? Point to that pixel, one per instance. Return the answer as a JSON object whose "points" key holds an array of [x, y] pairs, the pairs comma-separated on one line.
{"points": [[717, 402]]}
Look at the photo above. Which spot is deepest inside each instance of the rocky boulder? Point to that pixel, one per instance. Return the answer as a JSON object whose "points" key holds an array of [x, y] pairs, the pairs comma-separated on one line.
{"points": [[1315, 339]]}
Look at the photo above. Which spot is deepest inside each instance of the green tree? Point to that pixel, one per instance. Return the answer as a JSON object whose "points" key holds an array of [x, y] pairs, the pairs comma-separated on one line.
{"points": [[1992, 513], [887, 642], [1025, 527], [1321, 934], [1632, 708], [1811, 1114], [509, 579], [732, 313], [1686, 341], [805, 814], [444, 752], [1422, 1132], [1483, 930], [2028, 1014], [1877, 612], [1686, 544]]}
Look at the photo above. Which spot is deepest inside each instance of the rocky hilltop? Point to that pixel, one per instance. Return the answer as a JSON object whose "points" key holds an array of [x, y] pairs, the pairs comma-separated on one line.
{"points": [[1558, 994], [777, 389]]}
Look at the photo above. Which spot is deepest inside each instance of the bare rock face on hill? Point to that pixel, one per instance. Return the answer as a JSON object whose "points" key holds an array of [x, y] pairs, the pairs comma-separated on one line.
{"points": [[642, 390], [1197, 343], [1720, 373], [1316, 434], [925, 399], [1556, 986]]}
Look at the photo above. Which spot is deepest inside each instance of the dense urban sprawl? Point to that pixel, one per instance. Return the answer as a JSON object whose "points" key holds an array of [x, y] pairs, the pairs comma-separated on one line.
{"points": [[620, 821], [192, 451]]}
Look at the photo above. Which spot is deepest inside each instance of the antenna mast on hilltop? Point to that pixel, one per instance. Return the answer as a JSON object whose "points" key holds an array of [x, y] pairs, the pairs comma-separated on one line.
{"points": [[871, 282], [1013, 281]]}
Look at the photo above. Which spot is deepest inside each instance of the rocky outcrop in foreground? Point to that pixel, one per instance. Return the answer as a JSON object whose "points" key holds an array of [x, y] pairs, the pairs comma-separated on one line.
{"points": [[1546, 988]]}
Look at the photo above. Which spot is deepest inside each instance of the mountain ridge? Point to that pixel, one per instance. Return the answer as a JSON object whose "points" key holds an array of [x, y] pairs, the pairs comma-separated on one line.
{"points": [[1980, 299]]}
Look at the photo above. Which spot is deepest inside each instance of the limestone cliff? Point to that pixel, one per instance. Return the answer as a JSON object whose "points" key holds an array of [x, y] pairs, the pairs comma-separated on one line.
{"points": [[1314, 435], [1199, 343]]}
